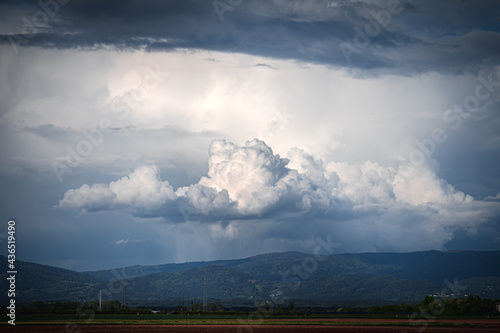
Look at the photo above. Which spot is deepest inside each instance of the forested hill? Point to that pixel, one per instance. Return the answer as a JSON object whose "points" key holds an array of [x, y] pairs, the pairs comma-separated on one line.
{"points": [[377, 277], [35, 282], [429, 265]]}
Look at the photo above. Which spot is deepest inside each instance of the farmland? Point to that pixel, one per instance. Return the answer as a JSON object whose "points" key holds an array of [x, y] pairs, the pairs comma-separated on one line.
{"points": [[161, 323]]}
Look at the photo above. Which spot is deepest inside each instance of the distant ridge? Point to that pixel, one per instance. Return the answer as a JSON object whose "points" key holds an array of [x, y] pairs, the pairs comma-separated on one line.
{"points": [[431, 265], [36, 282], [359, 277], [456, 251]]}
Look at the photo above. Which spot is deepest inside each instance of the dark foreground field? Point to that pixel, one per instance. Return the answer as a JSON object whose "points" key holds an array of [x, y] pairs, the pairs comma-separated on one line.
{"points": [[275, 325]]}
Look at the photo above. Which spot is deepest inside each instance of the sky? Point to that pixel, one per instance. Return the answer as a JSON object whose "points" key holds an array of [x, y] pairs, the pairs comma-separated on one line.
{"points": [[172, 131]]}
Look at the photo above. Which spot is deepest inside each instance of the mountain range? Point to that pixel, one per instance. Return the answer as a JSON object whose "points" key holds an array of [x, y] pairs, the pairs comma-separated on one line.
{"points": [[364, 278]]}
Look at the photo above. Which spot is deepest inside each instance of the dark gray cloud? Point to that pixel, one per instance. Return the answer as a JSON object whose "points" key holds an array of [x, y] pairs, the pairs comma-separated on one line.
{"points": [[51, 132], [450, 37]]}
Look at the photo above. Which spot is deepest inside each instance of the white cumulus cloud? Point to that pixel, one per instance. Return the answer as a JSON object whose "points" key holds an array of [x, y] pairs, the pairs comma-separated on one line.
{"points": [[141, 189], [367, 203]]}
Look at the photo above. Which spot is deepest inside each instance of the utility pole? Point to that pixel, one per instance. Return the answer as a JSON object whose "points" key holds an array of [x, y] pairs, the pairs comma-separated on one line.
{"points": [[123, 288], [205, 293]]}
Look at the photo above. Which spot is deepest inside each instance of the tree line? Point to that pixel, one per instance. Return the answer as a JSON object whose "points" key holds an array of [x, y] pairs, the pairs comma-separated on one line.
{"points": [[468, 306]]}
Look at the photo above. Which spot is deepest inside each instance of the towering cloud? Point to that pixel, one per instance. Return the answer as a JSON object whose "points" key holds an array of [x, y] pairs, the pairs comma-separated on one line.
{"points": [[251, 181], [252, 175]]}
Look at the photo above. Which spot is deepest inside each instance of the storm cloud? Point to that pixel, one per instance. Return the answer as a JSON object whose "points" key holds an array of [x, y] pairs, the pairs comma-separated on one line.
{"points": [[452, 37], [171, 131]]}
